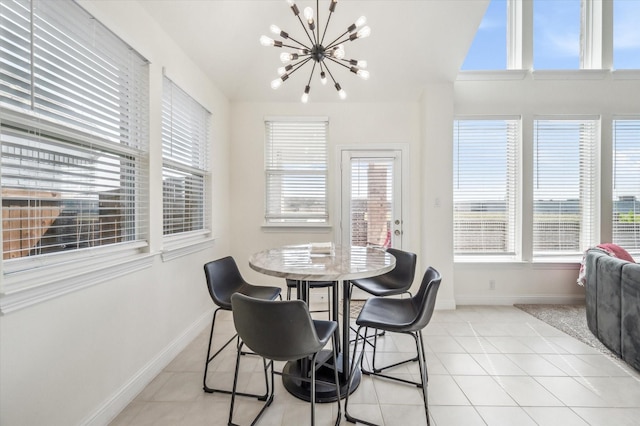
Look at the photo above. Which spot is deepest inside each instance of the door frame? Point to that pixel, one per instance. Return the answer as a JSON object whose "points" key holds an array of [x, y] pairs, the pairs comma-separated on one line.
{"points": [[403, 148]]}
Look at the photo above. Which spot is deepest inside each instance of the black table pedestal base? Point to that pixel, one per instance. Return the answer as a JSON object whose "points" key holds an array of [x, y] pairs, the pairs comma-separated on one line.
{"points": [[325, 391]]}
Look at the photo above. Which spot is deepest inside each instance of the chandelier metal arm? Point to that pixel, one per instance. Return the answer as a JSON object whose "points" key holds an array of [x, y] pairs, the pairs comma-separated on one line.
{"points": [[304, 27], [298, 65], [326, 66], [337, 62], [295, 47], [325, 27], [311, 74], [336, 42], [296, 41], [317, 51]]}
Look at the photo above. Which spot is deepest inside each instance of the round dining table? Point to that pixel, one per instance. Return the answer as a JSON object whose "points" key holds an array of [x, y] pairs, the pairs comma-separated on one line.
{"points": [[307, 263]]}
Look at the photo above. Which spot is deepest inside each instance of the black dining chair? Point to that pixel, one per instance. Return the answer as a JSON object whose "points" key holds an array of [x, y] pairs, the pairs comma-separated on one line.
{"points": [[409, 316], [332, 293], [223, 280], [281, 331], [398, 281]]}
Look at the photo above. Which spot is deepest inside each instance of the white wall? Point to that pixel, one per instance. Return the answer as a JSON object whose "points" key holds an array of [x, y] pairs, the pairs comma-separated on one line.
{"points": [[80, 358], [361, 124]]}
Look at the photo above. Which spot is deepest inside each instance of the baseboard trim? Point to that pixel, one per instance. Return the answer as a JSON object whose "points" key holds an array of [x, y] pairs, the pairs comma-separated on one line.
{"points": [[525, 299], [123, 397]]}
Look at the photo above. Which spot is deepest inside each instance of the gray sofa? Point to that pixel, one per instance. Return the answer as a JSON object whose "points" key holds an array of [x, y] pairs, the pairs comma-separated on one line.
{"points": [[613, 304]]}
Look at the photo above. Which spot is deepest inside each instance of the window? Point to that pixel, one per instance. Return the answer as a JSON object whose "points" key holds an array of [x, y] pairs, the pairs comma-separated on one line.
{"points": [[485, 179], [564, 186], [489, 48], [556, 34], [626, 184], [74, 133], [565, 35], [626, 34], [185, 138], [296, 171]]}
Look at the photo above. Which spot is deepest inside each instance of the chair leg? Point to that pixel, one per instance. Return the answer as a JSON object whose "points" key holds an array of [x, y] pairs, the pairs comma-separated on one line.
{"points": [[313, 389], [335, 372], [424, 376], [210, 358], [377, 372], [268, 400], [354, 365]]}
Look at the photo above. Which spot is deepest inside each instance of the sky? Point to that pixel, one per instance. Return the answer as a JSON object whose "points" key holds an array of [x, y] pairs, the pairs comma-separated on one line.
{"points": [[556, 36]]}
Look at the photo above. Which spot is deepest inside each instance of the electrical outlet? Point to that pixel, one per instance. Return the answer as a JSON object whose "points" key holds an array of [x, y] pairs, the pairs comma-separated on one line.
{"points": [[492, 284]]}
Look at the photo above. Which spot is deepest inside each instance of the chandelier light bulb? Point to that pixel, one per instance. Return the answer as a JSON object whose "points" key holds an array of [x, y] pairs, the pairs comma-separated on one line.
{"points": [[341, 93], [276, 83], [286, 57], [364, 32], [338, 52], [361, 64], [284, 70], [308, 13], [275, 29], [363, 74], [291, 3], [266, 41], [361, 21], [323, 78], [305, 95]]}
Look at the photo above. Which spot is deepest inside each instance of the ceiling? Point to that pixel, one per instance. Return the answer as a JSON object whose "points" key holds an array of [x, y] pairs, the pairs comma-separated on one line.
{"points": [[412, 43]]}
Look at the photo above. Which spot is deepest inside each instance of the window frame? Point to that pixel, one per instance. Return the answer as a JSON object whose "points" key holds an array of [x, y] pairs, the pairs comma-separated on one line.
{"points": [[198, 118], [321, 220], [589, 216], [513, 161], [636, 120], [33, 279]]}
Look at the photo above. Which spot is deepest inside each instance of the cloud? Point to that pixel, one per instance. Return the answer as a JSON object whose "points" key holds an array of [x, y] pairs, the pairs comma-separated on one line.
{"points": [[626, 31]]}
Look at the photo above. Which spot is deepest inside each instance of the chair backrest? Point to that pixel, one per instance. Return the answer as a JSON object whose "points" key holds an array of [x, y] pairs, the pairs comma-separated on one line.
{"points": [[278, 330], [425, 299], [223, 279], [405, 269]]}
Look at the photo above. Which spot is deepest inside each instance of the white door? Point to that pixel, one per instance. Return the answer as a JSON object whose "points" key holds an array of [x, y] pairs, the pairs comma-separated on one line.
{"points": [[371, 202]]}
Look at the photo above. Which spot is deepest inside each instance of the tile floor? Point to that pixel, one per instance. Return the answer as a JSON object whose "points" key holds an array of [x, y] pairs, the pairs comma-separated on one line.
{"points": [[488, 365]]}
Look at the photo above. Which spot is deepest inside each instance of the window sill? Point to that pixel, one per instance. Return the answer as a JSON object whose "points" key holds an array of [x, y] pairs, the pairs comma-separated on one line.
{"points": [[570, 74], [28, 287], [314, 227], [486, 260], [625, 74], [492, 75], [183, 245]]}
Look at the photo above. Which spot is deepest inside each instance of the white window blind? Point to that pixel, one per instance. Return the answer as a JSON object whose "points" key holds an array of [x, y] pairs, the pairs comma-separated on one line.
{"points": [[564, 186], [371, 201], [185, 137], [74, 99], [626, 184], [485, 179], [296, 171]]}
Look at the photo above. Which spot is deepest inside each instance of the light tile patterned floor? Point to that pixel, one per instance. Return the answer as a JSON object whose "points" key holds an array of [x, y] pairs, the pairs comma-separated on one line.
{"points": [[488, 365]]}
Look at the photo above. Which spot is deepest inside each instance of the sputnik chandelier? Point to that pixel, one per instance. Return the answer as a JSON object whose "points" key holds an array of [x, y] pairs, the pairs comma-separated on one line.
{"points": [[318, 53]]}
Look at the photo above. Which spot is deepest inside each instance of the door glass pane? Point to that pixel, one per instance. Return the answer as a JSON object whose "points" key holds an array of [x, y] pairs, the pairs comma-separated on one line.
{"points": [[371, 201]]}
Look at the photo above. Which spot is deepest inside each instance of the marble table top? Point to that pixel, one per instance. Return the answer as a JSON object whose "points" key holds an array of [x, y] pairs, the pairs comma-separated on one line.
{"points": [[300, 262]]}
